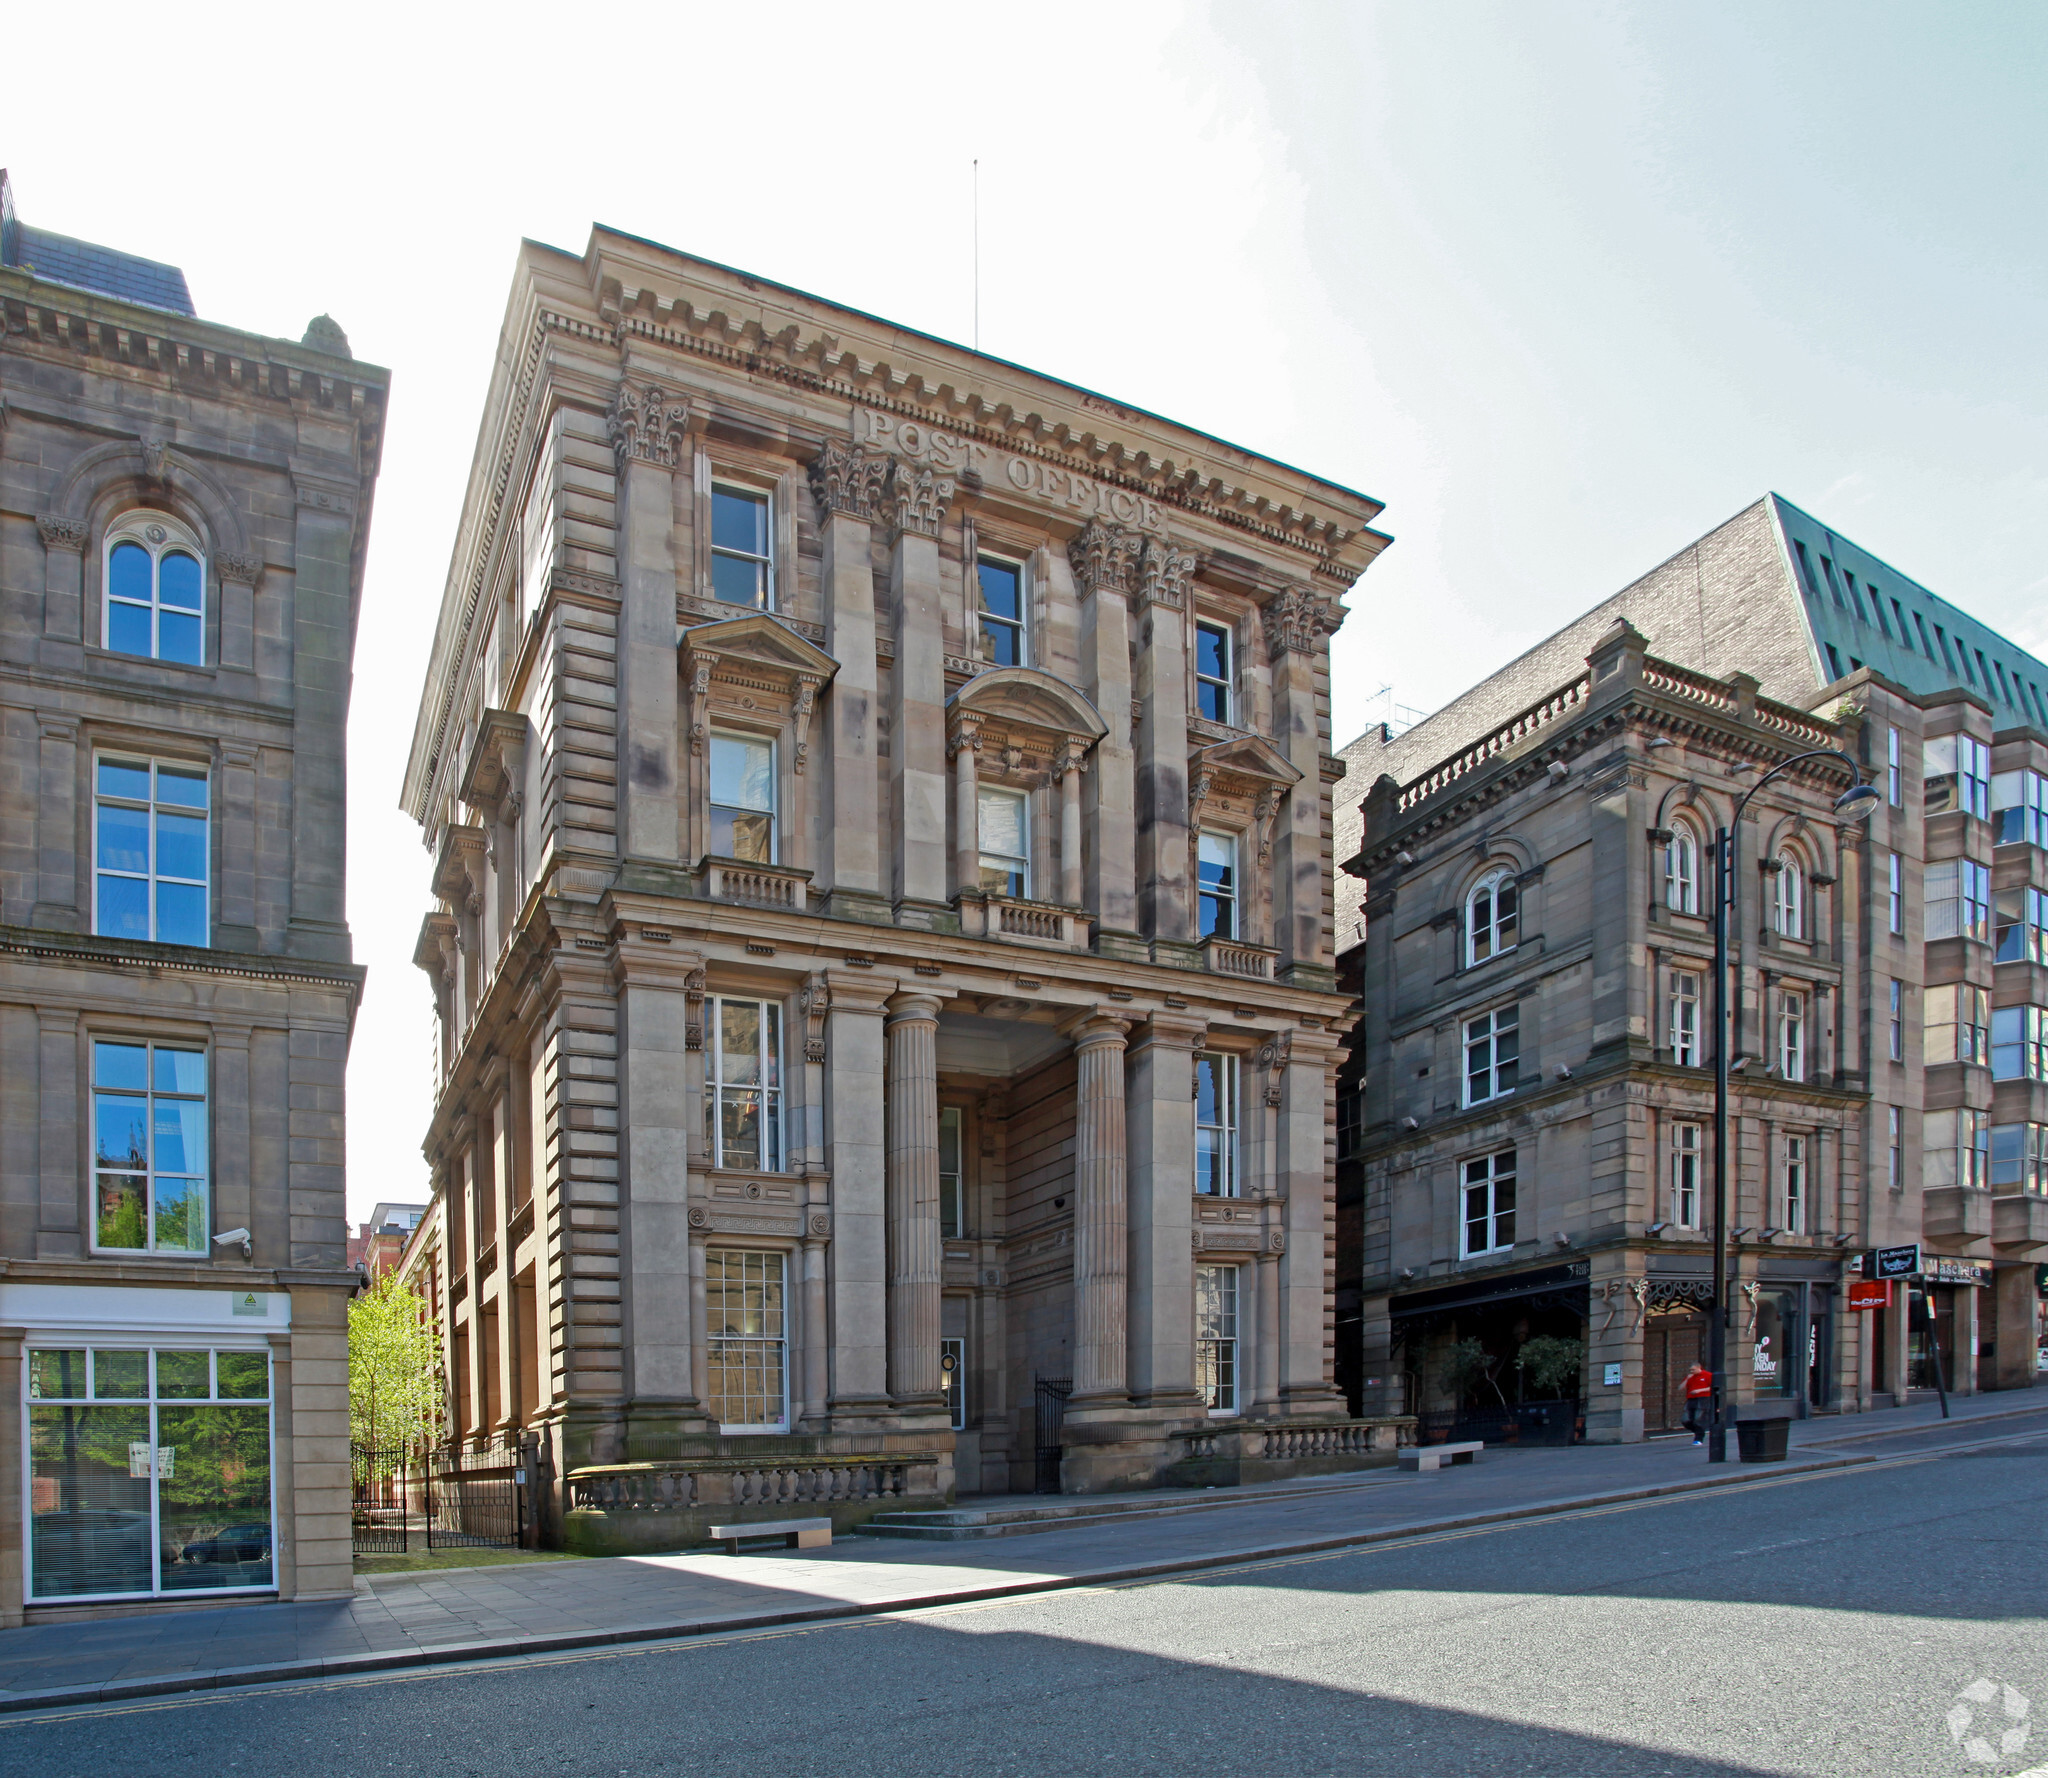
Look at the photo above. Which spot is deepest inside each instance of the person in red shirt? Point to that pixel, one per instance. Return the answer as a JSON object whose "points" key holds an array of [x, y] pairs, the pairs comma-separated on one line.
{"points": [[1699, 1391]]}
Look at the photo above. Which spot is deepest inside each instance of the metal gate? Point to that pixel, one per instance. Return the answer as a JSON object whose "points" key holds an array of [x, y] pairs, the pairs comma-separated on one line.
{"points": [[476, 1498], [384, 1501], [1052, 1410]]}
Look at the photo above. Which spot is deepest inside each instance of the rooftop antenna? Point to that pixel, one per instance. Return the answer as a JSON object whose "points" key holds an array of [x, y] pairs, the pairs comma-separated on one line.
{"points": [[977, 253]]}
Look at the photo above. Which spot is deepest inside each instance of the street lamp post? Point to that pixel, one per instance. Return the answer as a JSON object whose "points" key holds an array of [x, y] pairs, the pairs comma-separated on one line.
{"points": [[1856, 802]]}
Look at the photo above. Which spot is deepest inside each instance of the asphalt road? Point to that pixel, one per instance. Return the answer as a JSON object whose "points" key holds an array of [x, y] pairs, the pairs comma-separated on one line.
{"points": [[1823, 1624]]}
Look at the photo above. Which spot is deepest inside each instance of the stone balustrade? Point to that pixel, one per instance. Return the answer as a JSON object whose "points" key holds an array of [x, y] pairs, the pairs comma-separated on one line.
{"points": [[756, 885], [1227, 1452], [1223, 956]]}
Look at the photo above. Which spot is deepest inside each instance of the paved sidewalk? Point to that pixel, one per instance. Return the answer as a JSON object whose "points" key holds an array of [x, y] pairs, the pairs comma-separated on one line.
{"points": [[406, 1620]]}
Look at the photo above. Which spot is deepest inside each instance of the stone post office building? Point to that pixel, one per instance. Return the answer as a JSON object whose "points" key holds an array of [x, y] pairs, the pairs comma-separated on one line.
{"points": [[879, 803], [1526, 1111], [183, 514]]}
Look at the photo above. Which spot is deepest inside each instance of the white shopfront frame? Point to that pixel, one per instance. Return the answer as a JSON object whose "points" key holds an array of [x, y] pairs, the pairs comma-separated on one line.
{"points": [[53, 1315]]}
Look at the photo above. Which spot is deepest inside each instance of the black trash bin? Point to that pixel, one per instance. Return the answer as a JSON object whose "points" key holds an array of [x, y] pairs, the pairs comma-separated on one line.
{"points": [[1762, 1441]]}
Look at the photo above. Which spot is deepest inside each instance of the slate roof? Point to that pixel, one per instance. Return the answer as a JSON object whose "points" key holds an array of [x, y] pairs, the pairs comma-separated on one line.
{"points": [[64, 261]]}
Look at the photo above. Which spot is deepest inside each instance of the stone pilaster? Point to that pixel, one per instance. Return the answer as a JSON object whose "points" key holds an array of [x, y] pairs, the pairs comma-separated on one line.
{"points": [[1101, 1217], [915, 1255], [857, 1262], [1296, 623], [1306, 1179], [648, 433], [847, 483], [1101, 560], [1166, 908], [57, 907], [323, 636], [917, 700]]}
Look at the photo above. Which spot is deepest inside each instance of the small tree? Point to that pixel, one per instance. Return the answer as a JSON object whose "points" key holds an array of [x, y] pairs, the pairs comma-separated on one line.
{"points": [[1466, 1366], [394, 1366], [1550, 1362]]}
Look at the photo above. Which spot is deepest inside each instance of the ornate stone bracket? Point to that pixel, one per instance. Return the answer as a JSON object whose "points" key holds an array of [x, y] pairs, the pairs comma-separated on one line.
{"points": [[816, 1002], [644, 425], [61, 533], [694, 985], [800, 717], [242, 570]]}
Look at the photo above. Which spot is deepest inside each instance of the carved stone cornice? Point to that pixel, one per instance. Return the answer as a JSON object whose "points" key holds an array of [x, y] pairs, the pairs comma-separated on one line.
{"points": [[1165, 573], [848, 480], [645, 426], [918, 498], [1297, 621], [1104, 558]]}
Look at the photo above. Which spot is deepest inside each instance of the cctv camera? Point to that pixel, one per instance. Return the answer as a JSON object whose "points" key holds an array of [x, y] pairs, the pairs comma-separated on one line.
{"points": [[231, 1237]]}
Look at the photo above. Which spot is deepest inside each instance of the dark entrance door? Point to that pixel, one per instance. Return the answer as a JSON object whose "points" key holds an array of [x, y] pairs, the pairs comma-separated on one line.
{"points": [[1674, 1340], [1052, 1393]]}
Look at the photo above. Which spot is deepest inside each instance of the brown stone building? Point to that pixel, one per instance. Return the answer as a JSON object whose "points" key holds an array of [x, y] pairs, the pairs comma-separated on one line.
{"points": [[1525, 1129], [183, 514], [879, 801]]}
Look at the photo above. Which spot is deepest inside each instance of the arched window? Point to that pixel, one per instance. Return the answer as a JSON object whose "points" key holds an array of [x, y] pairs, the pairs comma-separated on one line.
{"points": [[1791, 898], [155, 602], [1682, 870], [1491, 917]]}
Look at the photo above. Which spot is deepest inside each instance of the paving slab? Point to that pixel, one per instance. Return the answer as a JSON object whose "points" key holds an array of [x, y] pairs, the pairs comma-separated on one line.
{"points": [[421, 1618]]}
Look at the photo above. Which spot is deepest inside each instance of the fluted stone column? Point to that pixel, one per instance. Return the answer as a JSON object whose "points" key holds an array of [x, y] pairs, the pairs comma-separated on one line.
{"points": [[913, 1197], [1101, 1215]]}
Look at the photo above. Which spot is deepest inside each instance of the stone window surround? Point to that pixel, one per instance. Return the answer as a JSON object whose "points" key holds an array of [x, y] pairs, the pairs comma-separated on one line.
{"points": [[761, 472], [131, 1027], [132, 526]]}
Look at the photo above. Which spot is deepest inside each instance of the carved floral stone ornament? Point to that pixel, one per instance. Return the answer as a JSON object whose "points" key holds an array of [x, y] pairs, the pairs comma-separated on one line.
{"points": [[1104, 558], [848, 480], [1298, 619], [918, 498], [58, 533], [242, 570], [645, 425]]}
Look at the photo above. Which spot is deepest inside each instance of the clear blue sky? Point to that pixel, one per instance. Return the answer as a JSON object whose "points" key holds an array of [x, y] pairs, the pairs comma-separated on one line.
{"points": [[1565, 285]]}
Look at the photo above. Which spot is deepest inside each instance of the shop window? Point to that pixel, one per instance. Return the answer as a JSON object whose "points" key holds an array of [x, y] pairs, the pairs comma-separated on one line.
{"points": [[149, 1472], [156, 590], [1216, 1125], [1488, 1208], [743, 1085], [1771, 1363], [746, 1332], [149, 1148], [953, 1381], [1216, 1337]]}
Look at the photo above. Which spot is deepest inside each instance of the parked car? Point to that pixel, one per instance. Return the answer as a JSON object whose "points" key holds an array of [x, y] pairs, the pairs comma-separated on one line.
{"points": [[232, 1543]]}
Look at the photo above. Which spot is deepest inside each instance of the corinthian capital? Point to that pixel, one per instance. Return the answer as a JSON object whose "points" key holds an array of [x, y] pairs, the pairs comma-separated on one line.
{"points": [[62, 533], [646, 425], [1104, 558], [1164, 574], [1297, 621], [848, 480], [918, 497]]}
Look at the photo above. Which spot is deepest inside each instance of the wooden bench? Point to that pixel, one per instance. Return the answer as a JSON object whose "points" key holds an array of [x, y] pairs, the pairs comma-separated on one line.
{"points": [[796, 1534], [1428, 1459]]}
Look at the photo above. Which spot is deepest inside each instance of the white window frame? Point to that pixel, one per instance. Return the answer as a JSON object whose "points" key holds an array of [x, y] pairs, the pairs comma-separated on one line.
{"points": [[1008, 865], [1229, 900], [1682, 870], [176, 539], [952, 1179], [1219, 1371], [1797, 1184], [1895, 1135], [1792, 1015], [774, 810], [151, 808], [1497, 1022], [1896, 914], [1686, 985], [981, 617], [1492, 933], [1789, 898], [1895, 775], [1225, 685], [1685, 1174], [1221, 1134], [1897, 1033], [763, 560], [147, 1096], [1486, 1174], [152, 1345], [717, 1090], [771, 1347]]}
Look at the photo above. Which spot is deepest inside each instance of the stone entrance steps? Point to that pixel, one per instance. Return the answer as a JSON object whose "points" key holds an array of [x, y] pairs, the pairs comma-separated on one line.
{"points": [[1019, 1515]]}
